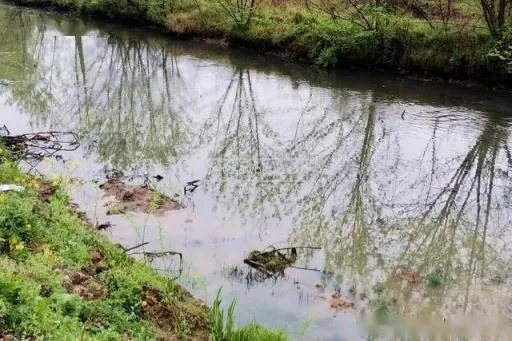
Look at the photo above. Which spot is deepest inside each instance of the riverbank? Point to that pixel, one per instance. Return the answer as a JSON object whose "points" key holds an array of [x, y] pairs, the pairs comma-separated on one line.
{"points": [[428, 45], [62, 279]]}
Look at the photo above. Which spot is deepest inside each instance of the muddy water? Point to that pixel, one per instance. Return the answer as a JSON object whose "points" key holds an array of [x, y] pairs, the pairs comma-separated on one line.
{"points": [[405, 186]]}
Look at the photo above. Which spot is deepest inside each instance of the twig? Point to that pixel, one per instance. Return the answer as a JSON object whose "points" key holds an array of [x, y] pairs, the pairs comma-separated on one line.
{"points": [[294, 247], [136, 246], [301, 268], [158, 254]]}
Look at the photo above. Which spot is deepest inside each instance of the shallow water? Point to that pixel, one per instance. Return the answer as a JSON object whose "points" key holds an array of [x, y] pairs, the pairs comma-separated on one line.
{"points": [[384, 174]]}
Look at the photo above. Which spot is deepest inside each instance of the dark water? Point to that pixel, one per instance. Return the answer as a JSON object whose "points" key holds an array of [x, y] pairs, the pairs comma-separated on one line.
{"points": [[387, 176]]}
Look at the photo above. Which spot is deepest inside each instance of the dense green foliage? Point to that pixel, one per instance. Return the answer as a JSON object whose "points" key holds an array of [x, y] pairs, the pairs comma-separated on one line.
{"points": [[445, 38], [43, 244]]}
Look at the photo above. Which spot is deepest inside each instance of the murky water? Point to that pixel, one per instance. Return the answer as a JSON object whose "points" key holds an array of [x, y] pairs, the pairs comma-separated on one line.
{"points": [[389, 177]]}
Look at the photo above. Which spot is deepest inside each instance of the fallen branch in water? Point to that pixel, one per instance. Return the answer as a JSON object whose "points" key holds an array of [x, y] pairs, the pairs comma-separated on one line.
{"points": [[153, 255], [135, 247], [293, 247], [302, 268]]}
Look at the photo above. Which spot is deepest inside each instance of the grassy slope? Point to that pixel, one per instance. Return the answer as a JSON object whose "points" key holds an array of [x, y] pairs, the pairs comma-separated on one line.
{"points": [[457, 50], [62, 280]]}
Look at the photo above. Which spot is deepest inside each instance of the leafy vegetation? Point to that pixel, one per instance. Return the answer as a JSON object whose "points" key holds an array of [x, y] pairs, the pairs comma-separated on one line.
{"points": [[454, 38], [61, 280], [223, 328]]}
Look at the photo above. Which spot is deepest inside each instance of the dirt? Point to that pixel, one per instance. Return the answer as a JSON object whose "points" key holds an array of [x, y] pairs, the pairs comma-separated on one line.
{"points": [[45, 189], [83, 282], [4, 336], [166, 315], [135, 198]]}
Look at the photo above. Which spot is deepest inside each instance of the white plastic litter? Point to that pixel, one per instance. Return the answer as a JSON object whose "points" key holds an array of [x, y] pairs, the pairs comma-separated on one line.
{"points": [[7, 188]]}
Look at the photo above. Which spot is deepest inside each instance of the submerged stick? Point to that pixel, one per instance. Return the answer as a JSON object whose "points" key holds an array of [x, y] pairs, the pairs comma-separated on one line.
{"points": [[136, 246], [153, 255], [294, 247], [302, 268]]}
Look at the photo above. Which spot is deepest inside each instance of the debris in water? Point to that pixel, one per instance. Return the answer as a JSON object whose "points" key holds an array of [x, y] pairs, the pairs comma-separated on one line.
{"points": [[115, 208], [134, 247], [158, 177], [33, 147], [103, 226], [338, 303], [112, 173], [190, 186], [151, 256], [136, 198], [273, 262]]}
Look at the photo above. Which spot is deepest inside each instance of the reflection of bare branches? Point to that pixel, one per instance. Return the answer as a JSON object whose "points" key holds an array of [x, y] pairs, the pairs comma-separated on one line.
{"points": [[451, 234], [243, 143], [346, 235], [122, 93]]}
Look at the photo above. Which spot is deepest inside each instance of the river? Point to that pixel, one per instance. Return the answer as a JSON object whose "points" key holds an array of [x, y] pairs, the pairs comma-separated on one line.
{"points": [[404, 185]]}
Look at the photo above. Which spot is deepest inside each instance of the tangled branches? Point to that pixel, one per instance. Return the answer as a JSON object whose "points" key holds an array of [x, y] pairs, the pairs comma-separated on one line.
{"points": [[34, 147]]}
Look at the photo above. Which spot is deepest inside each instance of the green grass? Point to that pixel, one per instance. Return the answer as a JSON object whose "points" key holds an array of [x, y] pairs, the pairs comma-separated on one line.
{"points": [[223, 327], [43, 245], [462, 49]]}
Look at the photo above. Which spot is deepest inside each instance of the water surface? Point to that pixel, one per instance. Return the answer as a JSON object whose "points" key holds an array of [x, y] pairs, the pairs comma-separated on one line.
{"points": [[384, 174]]}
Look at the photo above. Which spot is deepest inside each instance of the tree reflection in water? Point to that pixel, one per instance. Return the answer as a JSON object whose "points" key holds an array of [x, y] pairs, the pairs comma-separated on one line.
{"points": [[338, 162]]}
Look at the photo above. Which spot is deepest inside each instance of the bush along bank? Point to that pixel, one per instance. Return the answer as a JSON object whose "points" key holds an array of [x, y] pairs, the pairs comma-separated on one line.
{"points": [[60, 279], [455, 39]]}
